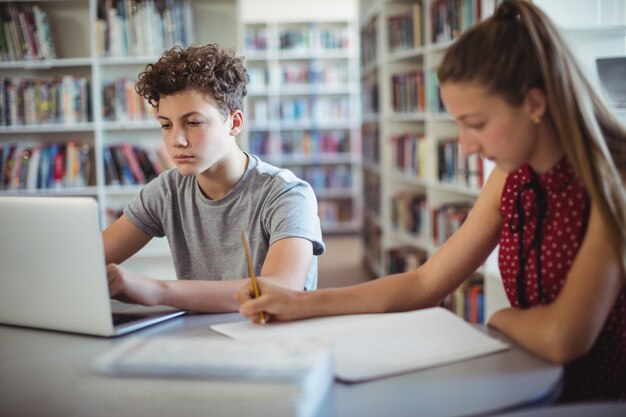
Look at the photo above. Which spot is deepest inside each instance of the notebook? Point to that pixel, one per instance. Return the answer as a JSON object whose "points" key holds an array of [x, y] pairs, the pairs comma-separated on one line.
{"points": [[52, 270], [370, 346]]}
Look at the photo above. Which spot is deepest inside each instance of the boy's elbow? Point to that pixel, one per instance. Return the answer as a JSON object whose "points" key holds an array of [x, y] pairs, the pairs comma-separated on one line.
{"points": [[292, 282]]}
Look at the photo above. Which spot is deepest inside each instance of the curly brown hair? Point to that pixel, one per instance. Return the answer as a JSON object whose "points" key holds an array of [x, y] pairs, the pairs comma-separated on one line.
{"points": [[207, 69]]}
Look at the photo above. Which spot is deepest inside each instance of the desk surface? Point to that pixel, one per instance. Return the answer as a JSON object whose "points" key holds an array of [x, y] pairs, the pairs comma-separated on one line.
{"points": [[47, 373]]}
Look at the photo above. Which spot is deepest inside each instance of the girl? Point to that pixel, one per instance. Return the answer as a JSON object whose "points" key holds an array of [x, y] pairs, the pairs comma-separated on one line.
{"points": [[555, 203]]}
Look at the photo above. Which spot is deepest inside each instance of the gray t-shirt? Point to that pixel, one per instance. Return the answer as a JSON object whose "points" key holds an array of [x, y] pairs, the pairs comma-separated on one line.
{"points": [[205, 235]]}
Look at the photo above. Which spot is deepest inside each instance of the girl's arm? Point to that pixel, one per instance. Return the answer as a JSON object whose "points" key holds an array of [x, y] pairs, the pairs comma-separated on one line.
{"points": [[568, 327], [461, 255]]}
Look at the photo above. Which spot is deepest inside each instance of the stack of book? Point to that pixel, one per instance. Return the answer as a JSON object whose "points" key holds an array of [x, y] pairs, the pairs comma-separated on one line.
{"points": [[288, 376]]}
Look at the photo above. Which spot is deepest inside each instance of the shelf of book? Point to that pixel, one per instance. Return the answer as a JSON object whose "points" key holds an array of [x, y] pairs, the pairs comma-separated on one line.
{"points": [[303, 111], [423, 188]]}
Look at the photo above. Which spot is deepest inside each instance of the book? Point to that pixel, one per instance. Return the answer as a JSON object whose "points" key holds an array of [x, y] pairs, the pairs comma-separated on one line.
{"points": [[370, 346], [297, 372]]}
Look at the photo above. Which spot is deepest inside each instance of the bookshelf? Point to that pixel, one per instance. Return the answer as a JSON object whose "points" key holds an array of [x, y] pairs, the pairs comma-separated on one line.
{"points": [[417, 186], [68, 69], [303, 108]]}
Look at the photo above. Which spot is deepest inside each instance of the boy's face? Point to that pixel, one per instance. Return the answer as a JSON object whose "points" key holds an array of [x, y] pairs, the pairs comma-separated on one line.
{"points": [[196, 134]]}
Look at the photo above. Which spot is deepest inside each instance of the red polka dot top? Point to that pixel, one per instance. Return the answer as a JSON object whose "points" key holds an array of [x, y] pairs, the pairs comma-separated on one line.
{"points": [[544, 222]]}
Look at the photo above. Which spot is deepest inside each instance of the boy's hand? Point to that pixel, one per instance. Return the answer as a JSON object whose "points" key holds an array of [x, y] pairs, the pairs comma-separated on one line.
{"points": [[279, 304], [129, 287]]}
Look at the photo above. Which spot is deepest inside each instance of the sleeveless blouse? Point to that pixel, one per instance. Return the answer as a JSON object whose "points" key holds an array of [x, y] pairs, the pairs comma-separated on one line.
{"points": [[544, 223]]}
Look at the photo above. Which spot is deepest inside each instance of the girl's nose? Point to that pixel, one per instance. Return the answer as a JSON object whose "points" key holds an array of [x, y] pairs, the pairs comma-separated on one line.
{"points": [[468, 146]]}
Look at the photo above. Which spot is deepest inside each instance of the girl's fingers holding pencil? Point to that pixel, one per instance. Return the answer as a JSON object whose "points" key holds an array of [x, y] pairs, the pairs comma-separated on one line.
{"points": [[277, 303], [244, 293]]}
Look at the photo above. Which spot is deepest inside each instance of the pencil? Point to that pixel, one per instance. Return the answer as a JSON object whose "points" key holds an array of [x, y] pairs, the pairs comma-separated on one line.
{"points": [[255, 285]]}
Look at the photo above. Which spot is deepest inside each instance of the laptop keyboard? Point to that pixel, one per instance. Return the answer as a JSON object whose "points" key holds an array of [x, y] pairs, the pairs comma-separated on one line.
{"points": [[122, 318]]}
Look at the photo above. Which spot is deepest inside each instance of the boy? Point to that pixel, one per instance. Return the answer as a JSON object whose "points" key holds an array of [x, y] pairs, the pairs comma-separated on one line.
{"points": [[216, 191]]}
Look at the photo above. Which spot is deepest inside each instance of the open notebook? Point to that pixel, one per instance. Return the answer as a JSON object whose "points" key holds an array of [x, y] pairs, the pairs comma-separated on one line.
{"points": [[53, 270], [369, 346]]}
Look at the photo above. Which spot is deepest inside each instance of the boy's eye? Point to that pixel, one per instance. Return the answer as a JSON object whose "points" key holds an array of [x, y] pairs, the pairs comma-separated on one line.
{"points": [[193, 123], [165, 125]]}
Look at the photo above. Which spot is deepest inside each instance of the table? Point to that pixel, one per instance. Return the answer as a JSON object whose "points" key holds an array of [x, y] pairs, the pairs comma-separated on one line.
{"points": [[46, 373], [598, 409]]}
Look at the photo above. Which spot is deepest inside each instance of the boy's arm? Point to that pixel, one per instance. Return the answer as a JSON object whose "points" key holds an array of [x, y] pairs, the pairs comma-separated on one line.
{"points": [[122, 240], [287, 264]]}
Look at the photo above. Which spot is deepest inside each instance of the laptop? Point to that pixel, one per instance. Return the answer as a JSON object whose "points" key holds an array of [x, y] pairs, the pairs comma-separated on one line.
{"points": [[52, 270]]}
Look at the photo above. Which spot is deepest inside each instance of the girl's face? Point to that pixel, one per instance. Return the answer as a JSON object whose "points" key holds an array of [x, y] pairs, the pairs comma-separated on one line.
{"points": [[489, 125], [196, 134]]}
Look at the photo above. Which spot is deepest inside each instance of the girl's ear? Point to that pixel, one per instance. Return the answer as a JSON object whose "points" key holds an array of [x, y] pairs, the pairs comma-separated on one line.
{"points": [[536, 104]]}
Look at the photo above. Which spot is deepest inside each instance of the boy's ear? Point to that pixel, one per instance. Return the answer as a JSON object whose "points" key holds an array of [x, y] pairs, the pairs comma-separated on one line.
{"points": [[236, 122], [536, 103]]}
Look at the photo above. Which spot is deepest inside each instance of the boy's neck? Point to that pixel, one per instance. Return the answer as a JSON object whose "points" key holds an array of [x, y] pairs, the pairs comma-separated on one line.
{"points": [[217, 181]]}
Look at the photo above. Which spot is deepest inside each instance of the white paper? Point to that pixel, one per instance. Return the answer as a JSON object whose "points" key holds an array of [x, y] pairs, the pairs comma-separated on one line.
{"points": [[370, 346]]}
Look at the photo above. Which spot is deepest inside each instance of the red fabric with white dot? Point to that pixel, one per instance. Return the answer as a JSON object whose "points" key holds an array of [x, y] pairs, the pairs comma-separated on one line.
{"points": [[601, 374]]}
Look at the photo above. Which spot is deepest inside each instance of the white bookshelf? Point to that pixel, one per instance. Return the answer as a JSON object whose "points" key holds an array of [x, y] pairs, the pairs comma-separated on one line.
{"points": [[303, 106], [75, 36], [391, 120]]}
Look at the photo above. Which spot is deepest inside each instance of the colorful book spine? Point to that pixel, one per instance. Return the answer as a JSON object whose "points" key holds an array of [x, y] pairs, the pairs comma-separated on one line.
{"points": [[449, 18], [405, 259], [447, 219], [454, 168], [408, 93], [335, 212], [32, 101], [131, 27], [122, 103], [369, 46], [468, 301], [410, 154], [409, 213], [125, 164], [404, 31], [49, 165]]}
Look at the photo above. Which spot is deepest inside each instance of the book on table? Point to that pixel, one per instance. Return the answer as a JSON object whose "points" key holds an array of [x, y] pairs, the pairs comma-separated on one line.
{"points": [[287, 376]]}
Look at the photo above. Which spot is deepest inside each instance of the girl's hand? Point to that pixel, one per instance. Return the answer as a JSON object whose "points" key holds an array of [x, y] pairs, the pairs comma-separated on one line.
{"points": [[277, 303]]}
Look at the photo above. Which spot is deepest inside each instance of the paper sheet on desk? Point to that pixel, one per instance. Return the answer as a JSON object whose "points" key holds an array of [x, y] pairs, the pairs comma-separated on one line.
{"points": [[369, 346]]}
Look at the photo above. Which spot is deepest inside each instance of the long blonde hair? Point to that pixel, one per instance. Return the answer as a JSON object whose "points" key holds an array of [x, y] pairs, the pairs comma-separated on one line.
{"points": [[519, 48]]}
